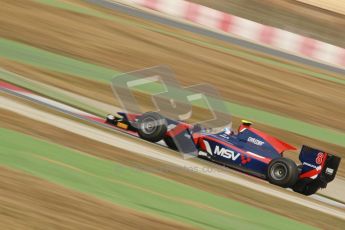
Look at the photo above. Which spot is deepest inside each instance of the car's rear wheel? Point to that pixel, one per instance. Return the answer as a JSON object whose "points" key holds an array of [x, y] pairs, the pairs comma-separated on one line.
{"points": [[282, 172], [152, 126]]}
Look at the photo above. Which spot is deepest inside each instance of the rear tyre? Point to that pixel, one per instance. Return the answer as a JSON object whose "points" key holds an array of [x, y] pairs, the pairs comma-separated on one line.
{"points": [[282, 172], [152, 126]]}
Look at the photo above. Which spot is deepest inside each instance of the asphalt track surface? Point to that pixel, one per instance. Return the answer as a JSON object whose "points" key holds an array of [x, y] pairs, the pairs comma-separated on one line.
{"points": [[325, 205], [212, 34]]}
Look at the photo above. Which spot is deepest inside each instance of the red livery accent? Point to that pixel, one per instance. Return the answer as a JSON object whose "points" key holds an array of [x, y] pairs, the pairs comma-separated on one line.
{"points": [[277, 144], [245, 160], [319, 158], [131, 116], [177, 130], [315, 172]]}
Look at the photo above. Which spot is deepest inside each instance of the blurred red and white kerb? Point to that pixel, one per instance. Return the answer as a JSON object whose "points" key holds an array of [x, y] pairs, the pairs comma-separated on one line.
{"points": [[252, 31]]}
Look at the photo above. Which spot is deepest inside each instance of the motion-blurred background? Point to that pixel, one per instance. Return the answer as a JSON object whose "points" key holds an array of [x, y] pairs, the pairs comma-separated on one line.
{"points": [[279, 63]]}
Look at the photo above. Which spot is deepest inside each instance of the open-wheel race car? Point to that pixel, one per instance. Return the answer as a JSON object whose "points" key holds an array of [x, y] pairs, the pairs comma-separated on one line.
{"points": [[248, 150]]}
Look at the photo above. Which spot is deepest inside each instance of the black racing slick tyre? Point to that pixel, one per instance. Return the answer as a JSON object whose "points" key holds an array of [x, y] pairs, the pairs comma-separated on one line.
{"points": [[152, 126], [282, 172], [170, 142]]}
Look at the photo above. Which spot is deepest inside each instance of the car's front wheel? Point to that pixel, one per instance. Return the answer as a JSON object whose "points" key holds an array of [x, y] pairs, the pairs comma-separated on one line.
{"points": [[152, 126], [169, 141], [282, 172]]}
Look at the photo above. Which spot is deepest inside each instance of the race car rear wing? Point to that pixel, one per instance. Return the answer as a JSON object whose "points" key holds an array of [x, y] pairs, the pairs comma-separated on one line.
{"points": [[318, 169], [316, 162]]}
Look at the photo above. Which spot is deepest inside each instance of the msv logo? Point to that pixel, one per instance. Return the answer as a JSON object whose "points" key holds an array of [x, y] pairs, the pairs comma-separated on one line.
{"points": [[224, 152]]}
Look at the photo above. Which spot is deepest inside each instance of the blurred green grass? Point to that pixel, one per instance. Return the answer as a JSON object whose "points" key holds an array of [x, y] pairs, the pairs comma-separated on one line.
{"points": [[132, 188]]}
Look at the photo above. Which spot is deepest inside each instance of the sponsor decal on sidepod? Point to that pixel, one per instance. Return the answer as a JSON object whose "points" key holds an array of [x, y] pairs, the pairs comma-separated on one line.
{"points": [[226, 153], [255, 141]]}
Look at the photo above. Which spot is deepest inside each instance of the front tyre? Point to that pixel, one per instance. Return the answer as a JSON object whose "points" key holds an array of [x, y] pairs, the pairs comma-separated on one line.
{"points": [[169, 141], [282, 172], [152, 126]]}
